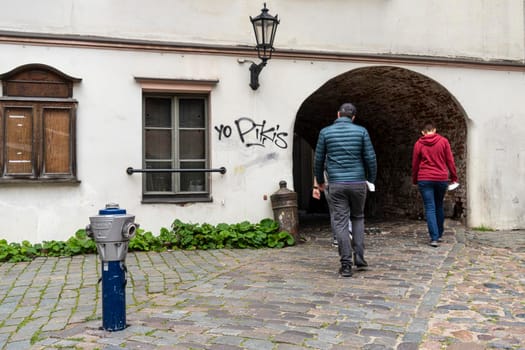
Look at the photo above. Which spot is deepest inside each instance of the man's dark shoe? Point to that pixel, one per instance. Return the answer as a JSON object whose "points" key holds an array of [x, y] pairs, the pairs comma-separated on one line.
{"points": [[346, 270], [359, 261]]}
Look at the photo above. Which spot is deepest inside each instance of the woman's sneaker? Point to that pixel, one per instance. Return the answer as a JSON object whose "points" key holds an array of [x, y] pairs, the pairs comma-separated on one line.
{"points": [[434, 244]]}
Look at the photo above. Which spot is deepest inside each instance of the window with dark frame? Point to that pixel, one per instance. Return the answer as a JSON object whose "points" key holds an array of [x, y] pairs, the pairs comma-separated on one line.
{"points": [[176, 137], [37, 125]]}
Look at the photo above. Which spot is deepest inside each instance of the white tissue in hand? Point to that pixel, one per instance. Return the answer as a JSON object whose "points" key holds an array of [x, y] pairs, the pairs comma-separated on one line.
{"points": [[371, 186]]}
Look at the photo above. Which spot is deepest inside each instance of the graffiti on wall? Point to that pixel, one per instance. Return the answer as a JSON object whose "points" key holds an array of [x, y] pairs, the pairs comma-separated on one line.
{"points": [[251, 133]]}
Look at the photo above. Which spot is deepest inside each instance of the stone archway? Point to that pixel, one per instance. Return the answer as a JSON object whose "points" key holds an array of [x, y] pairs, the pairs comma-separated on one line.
{"points": [[392, 103]]}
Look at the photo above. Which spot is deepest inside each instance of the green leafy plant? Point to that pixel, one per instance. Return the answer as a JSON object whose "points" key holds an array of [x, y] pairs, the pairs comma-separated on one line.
{"points": [[144, 241], [168, 238], [54, 248], [241, 235], [11, 252], [280, 239], [181, 236], [483, 228], [80, 243]]}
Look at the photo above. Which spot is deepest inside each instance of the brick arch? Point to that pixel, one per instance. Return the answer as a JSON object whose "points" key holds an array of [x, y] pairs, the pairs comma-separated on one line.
{"points": [[392, 103]]}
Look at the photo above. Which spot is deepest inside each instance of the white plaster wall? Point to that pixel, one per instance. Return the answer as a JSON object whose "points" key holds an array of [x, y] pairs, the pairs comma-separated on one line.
{"points": [[497, 161], [493, 104], [109, 139], [468, 28]]}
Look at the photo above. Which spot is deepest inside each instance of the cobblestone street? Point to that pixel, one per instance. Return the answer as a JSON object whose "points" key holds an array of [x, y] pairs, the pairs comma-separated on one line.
{"points": [[466, 294]]}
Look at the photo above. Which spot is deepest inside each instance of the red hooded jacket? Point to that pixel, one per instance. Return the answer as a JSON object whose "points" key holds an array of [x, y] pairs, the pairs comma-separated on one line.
{"points": [[432, 160]]}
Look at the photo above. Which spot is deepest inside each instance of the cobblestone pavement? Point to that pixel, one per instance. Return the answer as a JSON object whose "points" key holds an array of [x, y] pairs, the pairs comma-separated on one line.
{"points": [[467, 294]]}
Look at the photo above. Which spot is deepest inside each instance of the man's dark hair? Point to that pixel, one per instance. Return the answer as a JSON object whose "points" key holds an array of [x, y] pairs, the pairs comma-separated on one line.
{"points": [[347, 109]]}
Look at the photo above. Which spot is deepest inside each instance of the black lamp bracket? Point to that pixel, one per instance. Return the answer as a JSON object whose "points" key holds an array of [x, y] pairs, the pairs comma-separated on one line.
{"points": [[255, 70]]}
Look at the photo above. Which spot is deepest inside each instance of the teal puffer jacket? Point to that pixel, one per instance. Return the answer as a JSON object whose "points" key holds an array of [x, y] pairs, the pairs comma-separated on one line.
{"points": [[348, 152]]}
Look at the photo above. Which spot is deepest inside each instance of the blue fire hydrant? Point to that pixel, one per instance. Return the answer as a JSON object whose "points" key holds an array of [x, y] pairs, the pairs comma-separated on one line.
{"points": [[112, 229]]}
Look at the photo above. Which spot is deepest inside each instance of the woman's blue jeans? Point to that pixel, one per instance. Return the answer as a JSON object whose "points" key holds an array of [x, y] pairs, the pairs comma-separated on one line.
{"points": [[433, 193]]}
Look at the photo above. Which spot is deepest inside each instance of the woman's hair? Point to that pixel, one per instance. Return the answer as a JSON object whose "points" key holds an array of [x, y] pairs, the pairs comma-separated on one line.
{"points": [[428, 126]]}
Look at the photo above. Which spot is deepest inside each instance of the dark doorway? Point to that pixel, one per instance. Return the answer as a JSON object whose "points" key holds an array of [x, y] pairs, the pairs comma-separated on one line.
{"points": [[392, 103]]}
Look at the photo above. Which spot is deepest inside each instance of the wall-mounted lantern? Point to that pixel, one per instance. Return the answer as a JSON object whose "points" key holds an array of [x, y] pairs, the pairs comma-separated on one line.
{"points": [[264, 27]]}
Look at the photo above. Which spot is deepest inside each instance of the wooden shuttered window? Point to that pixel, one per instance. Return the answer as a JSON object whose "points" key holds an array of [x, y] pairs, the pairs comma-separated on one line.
{"points": [[37, 126]]}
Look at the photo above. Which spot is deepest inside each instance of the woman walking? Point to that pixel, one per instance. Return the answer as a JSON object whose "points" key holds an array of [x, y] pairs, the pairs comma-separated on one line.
{"points": [[432, 169]]}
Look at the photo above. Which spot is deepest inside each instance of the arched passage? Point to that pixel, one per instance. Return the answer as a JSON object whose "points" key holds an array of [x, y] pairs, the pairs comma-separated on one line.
{"points": [[392, 103]]}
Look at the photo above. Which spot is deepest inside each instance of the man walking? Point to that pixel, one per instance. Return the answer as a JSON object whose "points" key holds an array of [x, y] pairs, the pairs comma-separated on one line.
{"points": [[350, 161]]}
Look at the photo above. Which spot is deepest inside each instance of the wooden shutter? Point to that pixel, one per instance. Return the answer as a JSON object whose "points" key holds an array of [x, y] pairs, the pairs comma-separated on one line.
{"points": [[57, 140], [19, 141]]}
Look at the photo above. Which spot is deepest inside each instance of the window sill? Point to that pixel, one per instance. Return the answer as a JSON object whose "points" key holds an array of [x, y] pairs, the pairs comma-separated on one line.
{"points": [[176, 200], [39, 181]]}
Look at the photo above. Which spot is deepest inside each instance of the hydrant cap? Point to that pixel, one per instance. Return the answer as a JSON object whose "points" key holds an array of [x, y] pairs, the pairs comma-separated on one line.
{"points": [[112, 209]]}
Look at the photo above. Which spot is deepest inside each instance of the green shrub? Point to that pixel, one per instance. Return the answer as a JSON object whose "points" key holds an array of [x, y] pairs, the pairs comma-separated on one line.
{"points": [[80, 243], [483, 228], [12, 252], [242, 235], [181, 236]]}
